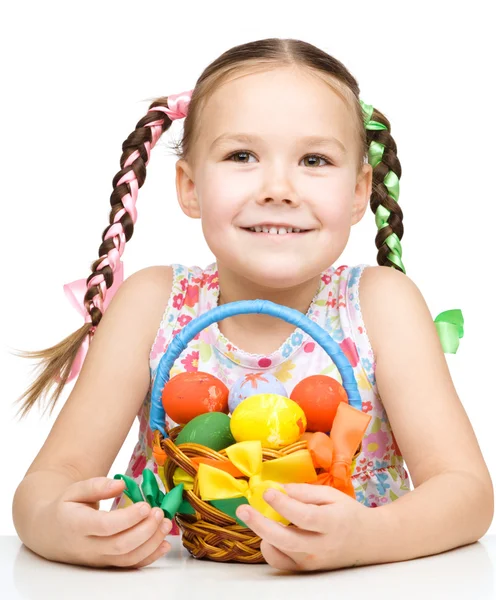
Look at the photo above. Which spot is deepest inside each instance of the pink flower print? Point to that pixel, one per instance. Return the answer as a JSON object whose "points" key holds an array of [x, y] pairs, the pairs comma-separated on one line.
{"points": [[184, 320], [177, 301], [158, 346], [366, 406], [184, 283], [326, 278], [213, 281], [350, 351], [191, 361], [375, 444], [192, 295], [340, 269], [332, 303], [138, 465]]}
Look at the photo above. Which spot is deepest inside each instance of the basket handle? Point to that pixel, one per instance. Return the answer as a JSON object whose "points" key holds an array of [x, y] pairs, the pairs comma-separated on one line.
{"points": [[244, 307]]}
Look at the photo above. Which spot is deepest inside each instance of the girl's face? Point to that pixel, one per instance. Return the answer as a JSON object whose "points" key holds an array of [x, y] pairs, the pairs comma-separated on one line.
{"points": [[255, 163]]}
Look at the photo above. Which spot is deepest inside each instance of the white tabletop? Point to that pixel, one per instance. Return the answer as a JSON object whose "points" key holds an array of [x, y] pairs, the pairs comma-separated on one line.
{"points": [[466, 572]]}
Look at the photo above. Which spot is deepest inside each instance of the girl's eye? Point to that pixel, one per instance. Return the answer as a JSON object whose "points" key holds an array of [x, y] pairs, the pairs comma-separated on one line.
{"points": [[311, 156]]}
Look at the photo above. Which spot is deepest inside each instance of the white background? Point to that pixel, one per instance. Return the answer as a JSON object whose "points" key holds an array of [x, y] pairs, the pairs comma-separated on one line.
{"points": [[76, 79]]}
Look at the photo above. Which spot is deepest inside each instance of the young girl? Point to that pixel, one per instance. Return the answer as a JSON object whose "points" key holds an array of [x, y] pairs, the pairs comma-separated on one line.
{"points": [[273, 161]]}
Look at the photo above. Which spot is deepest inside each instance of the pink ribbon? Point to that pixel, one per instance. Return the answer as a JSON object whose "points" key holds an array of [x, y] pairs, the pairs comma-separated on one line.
{"points": [[177, 108], [75, 292]]}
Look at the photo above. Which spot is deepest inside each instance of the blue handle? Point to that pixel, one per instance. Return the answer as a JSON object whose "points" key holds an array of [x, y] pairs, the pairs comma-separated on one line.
{"points": [[245, 307]]}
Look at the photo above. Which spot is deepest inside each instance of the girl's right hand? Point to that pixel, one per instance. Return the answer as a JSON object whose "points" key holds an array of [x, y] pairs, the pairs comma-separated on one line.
{"points": [[127, 537]]}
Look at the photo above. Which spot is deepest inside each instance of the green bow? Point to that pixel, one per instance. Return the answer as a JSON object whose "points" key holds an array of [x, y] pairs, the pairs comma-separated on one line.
{"points": [[449, 325], [170, 503]]}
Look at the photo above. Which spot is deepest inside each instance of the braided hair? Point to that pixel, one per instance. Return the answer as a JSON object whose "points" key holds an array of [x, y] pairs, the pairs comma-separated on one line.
{"points": [[374, 141]]}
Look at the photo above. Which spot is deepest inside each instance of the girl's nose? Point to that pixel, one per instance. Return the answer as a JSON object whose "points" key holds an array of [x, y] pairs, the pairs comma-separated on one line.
{"points": [[278, 187]]}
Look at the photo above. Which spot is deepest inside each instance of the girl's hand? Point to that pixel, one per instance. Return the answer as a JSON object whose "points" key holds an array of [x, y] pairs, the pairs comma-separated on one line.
{"points": [[327, 533], [83, 534]]}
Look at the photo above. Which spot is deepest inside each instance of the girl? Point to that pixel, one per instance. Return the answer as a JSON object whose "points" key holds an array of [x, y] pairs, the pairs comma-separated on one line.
{"points": [[273, 162]]}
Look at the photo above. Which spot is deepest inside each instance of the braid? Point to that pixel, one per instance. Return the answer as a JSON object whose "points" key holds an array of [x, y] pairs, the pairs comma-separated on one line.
{"points": [[57, 361], [123, 215], [385, 188]]}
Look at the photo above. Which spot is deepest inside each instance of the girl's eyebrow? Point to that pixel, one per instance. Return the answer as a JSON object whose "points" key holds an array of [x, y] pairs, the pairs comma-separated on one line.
{"points": [[314, 140]]}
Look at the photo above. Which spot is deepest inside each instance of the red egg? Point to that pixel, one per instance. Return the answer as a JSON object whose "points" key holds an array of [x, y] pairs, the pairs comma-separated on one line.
{"points": [[319, 397], [188, 395]]}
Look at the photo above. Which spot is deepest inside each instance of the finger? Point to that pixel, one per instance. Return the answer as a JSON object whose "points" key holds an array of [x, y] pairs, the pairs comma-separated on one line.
{"points": [[277, 559], [93, 490], [305, 516], [285, 538], [101, 523], [150, 545], [316, 494], [162, 550], [130, 539]]}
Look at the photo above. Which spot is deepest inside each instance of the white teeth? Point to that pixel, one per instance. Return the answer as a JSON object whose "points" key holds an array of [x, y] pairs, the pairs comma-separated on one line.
{"points": [[274, 230]]}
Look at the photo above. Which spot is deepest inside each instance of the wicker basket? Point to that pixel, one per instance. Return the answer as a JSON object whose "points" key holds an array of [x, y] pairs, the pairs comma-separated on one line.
{"points": [[210, 533]]}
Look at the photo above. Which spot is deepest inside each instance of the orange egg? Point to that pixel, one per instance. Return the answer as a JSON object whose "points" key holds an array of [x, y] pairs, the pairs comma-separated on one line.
{"points": [[319, 397], [188, 395]]}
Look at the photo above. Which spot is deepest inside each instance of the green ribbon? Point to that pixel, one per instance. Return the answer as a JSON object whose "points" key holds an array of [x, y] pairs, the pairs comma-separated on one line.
{"points": [[392, 183], [150, 492], [173, 503], [449, 325]]}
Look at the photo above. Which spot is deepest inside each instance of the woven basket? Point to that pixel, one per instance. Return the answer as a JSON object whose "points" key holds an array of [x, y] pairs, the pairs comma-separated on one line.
{"points": [[210, 533]]}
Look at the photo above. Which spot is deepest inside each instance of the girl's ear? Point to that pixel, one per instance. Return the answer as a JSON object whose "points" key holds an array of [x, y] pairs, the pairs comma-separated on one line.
{"points": [[363, 190], [186, 190]]}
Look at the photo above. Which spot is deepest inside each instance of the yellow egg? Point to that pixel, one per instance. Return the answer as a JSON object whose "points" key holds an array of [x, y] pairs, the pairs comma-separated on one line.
{"points": [[275, 420]]}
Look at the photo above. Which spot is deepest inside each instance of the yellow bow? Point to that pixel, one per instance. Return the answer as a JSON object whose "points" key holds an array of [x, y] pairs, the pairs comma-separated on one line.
{"points": [[215, 484]]}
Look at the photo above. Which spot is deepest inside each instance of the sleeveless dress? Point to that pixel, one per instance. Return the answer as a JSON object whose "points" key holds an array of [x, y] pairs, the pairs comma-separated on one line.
{"points": [[379, 473]]}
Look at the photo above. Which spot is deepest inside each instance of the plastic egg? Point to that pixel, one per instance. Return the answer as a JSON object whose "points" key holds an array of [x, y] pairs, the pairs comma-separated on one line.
{"points": [[275, 420], [319, 397], [188, 395], [252, 384], [211, 429]]}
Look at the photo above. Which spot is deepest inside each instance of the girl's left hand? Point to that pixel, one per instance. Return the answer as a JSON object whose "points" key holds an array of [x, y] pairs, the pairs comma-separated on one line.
{"points": [[328, 522]]}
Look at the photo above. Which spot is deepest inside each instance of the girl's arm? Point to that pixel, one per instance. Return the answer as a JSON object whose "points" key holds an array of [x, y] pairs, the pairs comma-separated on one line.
{"points": [[99, 412], [452, 503]]}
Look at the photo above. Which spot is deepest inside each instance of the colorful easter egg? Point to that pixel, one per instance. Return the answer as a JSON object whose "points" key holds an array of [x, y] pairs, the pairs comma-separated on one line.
{"points": [[211, 429], [319, 397], [188, 395], [275, 420], [252, 384]]}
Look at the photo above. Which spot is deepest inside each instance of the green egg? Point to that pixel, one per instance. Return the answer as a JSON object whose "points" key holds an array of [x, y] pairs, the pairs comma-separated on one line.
{"points": [[212, 429]]}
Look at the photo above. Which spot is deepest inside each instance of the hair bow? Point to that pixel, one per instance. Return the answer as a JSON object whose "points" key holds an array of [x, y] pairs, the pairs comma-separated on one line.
{"points": [[75, 292]]}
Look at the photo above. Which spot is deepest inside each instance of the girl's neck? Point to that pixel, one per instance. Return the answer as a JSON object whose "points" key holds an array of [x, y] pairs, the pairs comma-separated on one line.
{"points": [[258, 333]]}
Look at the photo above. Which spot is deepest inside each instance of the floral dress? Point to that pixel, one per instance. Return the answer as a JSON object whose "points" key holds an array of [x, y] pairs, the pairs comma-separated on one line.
{"points": [[379, 473]]}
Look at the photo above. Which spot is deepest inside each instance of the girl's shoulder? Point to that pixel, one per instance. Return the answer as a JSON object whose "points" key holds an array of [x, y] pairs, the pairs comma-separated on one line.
{"points": [[380, 290]]}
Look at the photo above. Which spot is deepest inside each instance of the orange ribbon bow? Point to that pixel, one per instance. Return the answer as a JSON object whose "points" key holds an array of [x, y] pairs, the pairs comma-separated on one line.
{"points": [[334, 454]]}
